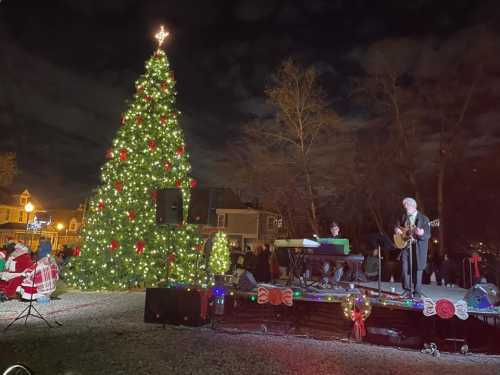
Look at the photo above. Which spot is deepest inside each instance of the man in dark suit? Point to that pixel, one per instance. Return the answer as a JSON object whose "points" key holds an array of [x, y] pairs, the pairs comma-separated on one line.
{"points": [[421, 234]]}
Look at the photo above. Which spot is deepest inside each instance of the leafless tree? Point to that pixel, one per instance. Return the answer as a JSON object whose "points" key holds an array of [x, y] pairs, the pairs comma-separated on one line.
{"points": [[291, 154]]}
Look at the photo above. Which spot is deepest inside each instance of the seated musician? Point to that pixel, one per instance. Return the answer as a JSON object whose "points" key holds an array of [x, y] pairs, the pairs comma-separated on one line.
{"points": [[326, 268]]}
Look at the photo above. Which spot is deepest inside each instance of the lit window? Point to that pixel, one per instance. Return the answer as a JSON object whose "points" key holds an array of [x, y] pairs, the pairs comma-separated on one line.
{"points": [[221, 220], [21, 216]]}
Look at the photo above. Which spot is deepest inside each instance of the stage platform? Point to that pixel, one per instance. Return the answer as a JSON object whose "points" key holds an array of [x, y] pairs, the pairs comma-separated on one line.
{"points": [[391, 295], [394, 320]]}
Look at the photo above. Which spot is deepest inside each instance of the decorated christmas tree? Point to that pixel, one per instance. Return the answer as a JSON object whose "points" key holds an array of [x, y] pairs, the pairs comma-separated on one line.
{"points": [[123, 246], [219, 261]]}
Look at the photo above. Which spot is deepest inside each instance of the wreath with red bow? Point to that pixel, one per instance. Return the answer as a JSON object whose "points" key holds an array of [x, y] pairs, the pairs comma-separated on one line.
{"points": [[357, 307]]}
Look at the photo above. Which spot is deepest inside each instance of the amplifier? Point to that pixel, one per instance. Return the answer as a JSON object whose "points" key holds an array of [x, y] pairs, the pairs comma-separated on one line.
{"points": [[482, 296]]}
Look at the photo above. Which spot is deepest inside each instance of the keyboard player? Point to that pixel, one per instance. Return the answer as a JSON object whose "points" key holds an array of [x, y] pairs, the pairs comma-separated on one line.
{"points": [[326, 267]]}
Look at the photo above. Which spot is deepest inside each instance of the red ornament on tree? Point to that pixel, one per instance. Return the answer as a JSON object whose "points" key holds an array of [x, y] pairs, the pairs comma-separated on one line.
{"points": [[167, 166], [132, 215], [164, 86], [152, 145], [163, 120], [148, 98], [138, 119], [109, 153], [122, 119], [154, 195], [139, 247], [194, 183], [123, 154], [114, 245], [118, 186], [178, 183], [180, 151], [199, 248], [100, 205], [171, 259], [76, 251]]}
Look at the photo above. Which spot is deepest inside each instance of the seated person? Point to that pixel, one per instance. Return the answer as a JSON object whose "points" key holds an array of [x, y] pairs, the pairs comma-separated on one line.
{"points": [[243, 279], [326, 266], [371, 266], [339, 272]]}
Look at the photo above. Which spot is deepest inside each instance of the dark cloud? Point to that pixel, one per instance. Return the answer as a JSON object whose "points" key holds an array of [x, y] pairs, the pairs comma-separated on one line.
{"points": [[254, 10], [69, 68]]}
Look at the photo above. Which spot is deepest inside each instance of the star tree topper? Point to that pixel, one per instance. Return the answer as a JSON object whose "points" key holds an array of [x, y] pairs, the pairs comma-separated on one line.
{"points": [[161, 36]]}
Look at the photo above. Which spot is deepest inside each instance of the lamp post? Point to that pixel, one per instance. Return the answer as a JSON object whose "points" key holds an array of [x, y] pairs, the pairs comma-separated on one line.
{"points": [[59, 227], [28, 208]]}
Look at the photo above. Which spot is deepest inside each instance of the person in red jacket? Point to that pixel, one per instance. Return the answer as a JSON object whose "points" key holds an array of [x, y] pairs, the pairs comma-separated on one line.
{"points": [[14, 272]]}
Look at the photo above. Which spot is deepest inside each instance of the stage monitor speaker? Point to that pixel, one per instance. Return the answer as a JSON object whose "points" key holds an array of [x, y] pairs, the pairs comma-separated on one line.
{"points": [[203, 205], [169, 206], [482, 296], [175, 306]]}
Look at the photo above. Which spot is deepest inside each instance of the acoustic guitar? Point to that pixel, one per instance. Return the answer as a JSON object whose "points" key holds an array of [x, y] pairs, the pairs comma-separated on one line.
{"points": [[402, 240]]}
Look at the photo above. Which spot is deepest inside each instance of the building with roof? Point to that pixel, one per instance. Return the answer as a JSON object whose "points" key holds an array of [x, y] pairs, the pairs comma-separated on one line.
{"points": [[23, 218]]}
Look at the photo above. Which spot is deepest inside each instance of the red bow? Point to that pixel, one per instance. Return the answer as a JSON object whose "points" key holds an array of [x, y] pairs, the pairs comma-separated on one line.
{"points": [[359, 329], [475, 259], [275, 296]]}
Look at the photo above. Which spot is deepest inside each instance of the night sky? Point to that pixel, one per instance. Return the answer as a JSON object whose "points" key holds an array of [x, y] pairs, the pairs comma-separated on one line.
{"points": [[68, 69]]}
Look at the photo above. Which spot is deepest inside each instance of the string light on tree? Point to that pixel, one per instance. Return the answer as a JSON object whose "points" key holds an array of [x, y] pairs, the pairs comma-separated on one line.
{"points": [[122, 245]]}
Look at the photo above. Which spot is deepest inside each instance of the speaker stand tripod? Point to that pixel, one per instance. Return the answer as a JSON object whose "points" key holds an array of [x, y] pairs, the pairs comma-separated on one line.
{"points": [[27, 312]]}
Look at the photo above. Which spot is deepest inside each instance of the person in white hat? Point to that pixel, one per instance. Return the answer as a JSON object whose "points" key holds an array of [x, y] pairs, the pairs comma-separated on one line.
{"points": [[418, 226]]}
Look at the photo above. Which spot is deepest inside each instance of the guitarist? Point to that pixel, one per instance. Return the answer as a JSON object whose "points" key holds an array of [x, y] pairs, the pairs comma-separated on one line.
{"points": [[418, 225]]}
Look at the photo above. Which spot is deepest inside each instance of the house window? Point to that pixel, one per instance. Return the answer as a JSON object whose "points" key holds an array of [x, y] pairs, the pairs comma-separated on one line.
{"points": [[23, 200], [221, 220], [20, 218], [72, 225]]}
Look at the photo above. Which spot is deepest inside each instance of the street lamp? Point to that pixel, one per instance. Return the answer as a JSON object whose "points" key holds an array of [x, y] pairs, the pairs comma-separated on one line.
{"points": [[59, 227], [28, 207]]}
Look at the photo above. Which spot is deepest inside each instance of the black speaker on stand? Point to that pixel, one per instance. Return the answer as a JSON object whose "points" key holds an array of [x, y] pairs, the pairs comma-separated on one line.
{"points": [[169, 206], [182, 306]]}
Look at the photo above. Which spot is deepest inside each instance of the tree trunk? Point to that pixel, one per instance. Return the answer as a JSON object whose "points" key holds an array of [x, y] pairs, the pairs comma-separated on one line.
{"points": [[313, 215]]}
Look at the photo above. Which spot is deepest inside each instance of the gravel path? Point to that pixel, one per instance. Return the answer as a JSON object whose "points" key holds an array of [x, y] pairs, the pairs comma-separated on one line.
{"points": [[103, 333]]}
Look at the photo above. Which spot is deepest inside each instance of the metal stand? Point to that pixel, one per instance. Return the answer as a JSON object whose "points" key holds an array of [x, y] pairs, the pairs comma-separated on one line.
{"points": [[410, 263], [27, 312], [379, 273]]}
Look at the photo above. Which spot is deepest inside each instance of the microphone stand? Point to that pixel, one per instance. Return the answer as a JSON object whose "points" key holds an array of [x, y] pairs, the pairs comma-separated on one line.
{"points": [[30, 307], [410, 263], [379, 273]]}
